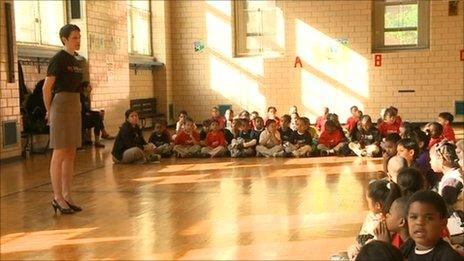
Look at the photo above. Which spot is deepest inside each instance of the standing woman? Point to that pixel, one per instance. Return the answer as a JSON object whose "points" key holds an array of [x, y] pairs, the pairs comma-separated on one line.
{"points": [[62, 101]]}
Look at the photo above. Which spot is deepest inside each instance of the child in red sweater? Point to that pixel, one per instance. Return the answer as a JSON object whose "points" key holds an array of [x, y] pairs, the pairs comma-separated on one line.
{"points": [[187, 142], [215, 141], [331, 139], [352, 121], [216, 115], [435, 131], [390, 123], [446, 119], [320, 121]]}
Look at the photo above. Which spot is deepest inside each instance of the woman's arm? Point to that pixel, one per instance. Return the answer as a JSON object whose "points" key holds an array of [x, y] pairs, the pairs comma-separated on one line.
{"points": [[47, 93]]}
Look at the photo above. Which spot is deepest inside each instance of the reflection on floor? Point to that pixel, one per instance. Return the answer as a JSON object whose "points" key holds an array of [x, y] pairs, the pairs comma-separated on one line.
{"points": [[255, 208]]}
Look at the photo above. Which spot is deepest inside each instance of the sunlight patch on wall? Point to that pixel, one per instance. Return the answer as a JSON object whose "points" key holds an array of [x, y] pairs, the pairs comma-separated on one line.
{"points": [[225, 7], [319, 93], [219, 35], [332, 58], [235, 85], [219, 41]]}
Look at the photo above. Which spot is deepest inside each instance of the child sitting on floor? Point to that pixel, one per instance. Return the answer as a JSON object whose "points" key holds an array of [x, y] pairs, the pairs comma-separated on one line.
{"points": [[285, 131], [215, 115], [389, 148], [427, 218], [446, 119], [320, 121], [443, 159], [270, 143], [376, 196], [395, 164], [215, 143], [294, 117], [161, 139], [331, 139], [204, 131], [130, 146], [272, 115], [394, 229], [244, 145], [229, 116], [352, 121], [435, 132], [367, 140], [301, 140], [409, 181], [187, 142], [258, 125], [390, 124]]}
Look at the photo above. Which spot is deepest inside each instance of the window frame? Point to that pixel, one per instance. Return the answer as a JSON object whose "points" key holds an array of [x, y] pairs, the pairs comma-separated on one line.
{"points": [[150, 30], [240, 33], [38, 27], [378, 26]]}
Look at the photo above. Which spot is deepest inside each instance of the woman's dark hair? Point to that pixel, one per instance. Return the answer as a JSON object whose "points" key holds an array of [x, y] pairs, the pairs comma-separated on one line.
{"points": [[378, 191], [379, 250], [128, 112], [410, 180], [410, 144], [431, 198], [66, 30]]}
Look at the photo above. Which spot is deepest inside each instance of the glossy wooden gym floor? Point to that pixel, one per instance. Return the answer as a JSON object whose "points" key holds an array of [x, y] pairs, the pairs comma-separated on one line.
{"points": [[254, 208]]}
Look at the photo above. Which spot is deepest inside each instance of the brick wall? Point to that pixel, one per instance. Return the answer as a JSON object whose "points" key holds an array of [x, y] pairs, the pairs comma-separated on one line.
{"points": [[9, 92], [332, 75], [108, 59]]}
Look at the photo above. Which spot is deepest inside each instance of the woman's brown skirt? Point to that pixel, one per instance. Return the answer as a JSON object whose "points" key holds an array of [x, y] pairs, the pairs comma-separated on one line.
{"points": [[65, 121]]}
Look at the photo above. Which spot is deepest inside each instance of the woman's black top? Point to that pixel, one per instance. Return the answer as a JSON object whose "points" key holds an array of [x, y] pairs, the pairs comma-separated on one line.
{"points": [[67, 71], [128, 137]]}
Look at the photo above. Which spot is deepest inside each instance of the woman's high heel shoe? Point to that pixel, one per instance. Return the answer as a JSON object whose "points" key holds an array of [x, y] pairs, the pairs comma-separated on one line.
{"points": [[74, 207], [56, 206]]}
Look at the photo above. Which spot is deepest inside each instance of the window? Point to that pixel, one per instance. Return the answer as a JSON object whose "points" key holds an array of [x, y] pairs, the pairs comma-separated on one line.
{"points": [[259, 28], [138, 26], [39, 21], [401, 24]]}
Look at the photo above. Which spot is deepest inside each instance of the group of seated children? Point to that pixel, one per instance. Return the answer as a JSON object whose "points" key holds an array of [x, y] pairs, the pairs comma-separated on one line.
{"points": [[414, 218], [248, 135]]}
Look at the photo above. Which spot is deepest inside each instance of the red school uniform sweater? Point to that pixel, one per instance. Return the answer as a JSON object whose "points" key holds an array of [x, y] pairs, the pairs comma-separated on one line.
{"points": [[331, 139], [434, 141], [214, 136], [351, 123], [448, 132], [320, 122], [184, 138], [387, 128]]}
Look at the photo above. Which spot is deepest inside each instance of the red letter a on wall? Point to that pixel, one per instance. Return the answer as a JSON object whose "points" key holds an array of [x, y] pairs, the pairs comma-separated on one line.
{"points": [[298, 61]]}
